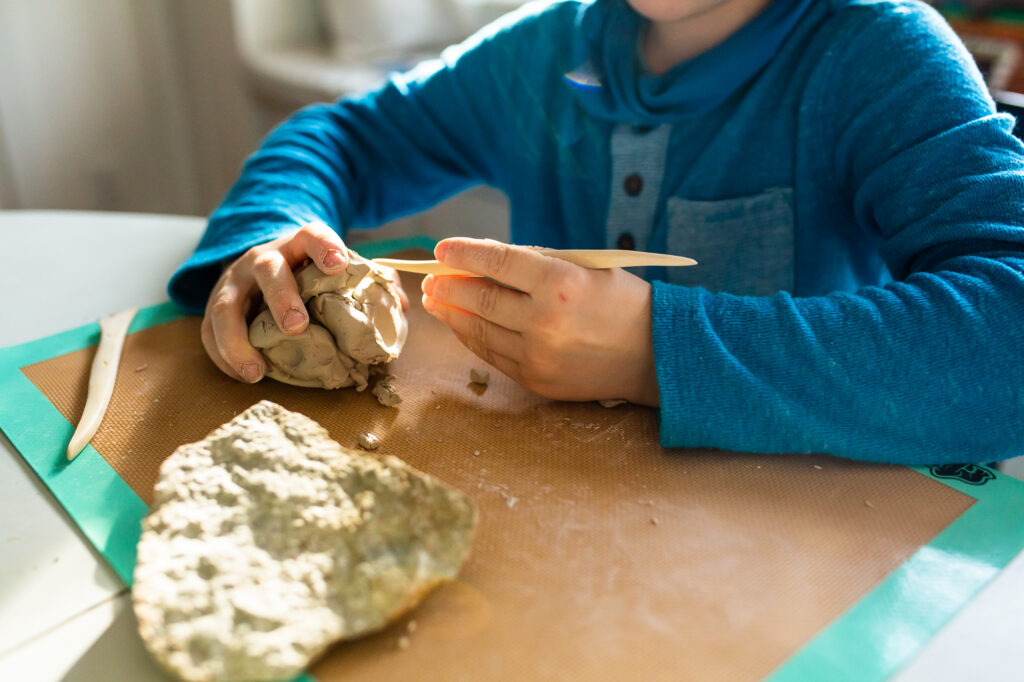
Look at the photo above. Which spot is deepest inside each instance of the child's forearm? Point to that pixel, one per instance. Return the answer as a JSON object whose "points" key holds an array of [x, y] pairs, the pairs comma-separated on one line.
{"points": [[358, 162], [923, 371]]}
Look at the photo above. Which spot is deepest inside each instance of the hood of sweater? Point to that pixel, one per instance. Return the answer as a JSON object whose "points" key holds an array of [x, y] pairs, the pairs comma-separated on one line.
{"points": [[612, 83]]}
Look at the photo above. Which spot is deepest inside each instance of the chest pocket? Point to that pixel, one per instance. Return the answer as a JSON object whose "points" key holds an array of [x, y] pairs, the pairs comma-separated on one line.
{"points": [[743, 246]]}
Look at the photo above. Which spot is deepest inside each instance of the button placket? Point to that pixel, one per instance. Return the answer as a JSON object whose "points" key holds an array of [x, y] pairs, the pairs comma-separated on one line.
{"points": [[638, 164]]}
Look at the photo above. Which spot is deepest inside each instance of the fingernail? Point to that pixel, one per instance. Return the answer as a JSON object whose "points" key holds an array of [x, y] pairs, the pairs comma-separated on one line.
{"points": [[334, 259], [428, 304], [428, 285], [440, 250], [251, 372], [293, 319]]}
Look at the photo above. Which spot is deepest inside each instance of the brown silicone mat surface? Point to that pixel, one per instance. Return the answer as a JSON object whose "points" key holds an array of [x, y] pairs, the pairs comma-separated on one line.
{"points": [[599, 556]]}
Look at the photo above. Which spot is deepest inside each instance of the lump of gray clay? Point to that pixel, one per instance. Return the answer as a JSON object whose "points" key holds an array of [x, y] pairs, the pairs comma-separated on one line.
{"points": [[386, 393], [368, 441], [268, 541], [355, 323]]}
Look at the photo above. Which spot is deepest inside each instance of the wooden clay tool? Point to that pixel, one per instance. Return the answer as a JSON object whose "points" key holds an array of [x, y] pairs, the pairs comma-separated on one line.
{"points": [[596, 259], [113, 330]]}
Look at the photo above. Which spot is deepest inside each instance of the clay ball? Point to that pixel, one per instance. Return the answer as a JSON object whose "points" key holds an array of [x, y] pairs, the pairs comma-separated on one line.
{"points": [[355, 323]]}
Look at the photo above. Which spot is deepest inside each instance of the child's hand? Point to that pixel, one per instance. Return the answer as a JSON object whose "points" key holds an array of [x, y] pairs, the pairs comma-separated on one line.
{"points": [[265, 269], [568, 333]]}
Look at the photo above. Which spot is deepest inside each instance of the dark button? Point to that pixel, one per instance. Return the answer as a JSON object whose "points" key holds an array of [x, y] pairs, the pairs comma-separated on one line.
{"points": [[633, 184], [642, 129], [626, 241]]}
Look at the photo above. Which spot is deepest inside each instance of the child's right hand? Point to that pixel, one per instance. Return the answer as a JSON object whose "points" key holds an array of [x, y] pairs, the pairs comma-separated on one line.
{"points": [[265, 269]]}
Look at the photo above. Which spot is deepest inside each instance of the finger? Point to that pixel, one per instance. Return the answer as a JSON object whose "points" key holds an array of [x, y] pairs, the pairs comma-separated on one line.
{"points": [[274, 277], [516, 266], [505, 365], [231, 334], [485, 335], [505, 307], [210, 344], [321, 244]]}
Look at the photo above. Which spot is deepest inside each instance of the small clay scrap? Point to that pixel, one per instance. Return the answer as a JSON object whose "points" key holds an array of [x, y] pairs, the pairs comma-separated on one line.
{"points": [[268, 541], [355, 322], [368, 441], [479, 376], [386, 393], [613, 403]]}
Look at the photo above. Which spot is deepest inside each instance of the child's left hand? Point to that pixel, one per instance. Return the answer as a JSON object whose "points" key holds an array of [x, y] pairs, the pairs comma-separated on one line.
{"points": [[560, 330]]}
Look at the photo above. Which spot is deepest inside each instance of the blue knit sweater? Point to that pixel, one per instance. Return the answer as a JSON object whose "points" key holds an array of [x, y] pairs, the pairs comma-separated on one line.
{"points": [[855, 203]]}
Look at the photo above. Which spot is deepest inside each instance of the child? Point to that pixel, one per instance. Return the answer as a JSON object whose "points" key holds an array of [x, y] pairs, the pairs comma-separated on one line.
{"points": [[835, 166]]}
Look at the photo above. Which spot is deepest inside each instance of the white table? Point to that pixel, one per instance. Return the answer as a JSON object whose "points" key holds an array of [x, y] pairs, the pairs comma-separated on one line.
{"points": [[64, 615]]}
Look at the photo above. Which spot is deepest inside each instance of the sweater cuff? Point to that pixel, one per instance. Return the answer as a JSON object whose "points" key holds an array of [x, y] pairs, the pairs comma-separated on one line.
{"points": [[674, 320], [191, 283]]}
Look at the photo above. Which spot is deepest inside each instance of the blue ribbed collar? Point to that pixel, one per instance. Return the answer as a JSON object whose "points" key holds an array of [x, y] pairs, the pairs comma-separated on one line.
{"points": [[611, 82]]}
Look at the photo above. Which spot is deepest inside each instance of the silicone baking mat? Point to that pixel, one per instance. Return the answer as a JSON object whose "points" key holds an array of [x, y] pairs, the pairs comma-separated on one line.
{"points": [[599, 555]]}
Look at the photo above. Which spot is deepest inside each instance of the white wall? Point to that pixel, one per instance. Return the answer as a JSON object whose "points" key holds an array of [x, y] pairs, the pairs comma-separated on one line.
{"points": [[7, 195], [134, 105], [145, 105], [82, 126], [223, 122]]}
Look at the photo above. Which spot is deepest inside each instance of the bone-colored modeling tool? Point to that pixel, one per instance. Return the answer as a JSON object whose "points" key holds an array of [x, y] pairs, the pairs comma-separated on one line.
{"points": [[113, 330], [595, 259]]}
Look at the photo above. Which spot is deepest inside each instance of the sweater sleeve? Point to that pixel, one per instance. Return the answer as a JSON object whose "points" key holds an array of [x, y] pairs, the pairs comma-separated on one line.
{"points": [[359, 162], [925, 370]]}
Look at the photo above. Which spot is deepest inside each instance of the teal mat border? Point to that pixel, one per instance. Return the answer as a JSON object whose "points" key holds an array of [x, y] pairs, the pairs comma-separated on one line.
{"points": [[885, 629], [870, 641], [94, 496]]}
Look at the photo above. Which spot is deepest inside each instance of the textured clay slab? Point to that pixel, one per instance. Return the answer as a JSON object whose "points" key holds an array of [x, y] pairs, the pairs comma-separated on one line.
{"points": [[268, 541]]}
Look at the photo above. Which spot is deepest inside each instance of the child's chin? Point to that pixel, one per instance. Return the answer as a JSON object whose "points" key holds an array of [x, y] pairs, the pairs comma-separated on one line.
{"points": [[673, 10]]}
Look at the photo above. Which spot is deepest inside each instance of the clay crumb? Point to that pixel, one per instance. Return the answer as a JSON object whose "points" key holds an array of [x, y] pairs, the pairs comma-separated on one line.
{"points": [[655, 521], [479, 376], [510, 500], [615, 402], [386, 393], [410, 627], [403, 642], [141, 368], [476, 453], [817, 467], [869, 504], [368, 441]]}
